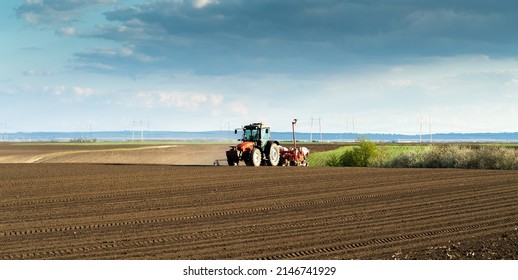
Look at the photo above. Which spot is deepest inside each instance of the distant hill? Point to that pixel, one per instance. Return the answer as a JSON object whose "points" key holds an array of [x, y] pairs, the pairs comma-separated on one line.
{"points": [[230, 136]]}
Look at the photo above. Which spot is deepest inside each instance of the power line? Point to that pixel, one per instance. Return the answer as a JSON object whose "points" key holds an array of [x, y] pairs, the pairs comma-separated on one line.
{"points": [[424, 121], [320, 127], [5, 135], [347, 127], [138, 125], [311, 130]]}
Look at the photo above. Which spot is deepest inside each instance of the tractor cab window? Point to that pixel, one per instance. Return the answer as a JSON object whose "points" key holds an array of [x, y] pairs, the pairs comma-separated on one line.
{"points": [[266, 134], [250, 135]]}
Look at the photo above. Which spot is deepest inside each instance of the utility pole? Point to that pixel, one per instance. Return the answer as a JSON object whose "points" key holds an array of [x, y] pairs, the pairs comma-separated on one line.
{"points": [[425, 120], [420, 129], [430, 126], [141, 131], [311, 131], [138, 124], [133, 133], [346, 128], [220, 133], [5, 136], [320, 127], [229, 135], [349, 129], [353, 126]]}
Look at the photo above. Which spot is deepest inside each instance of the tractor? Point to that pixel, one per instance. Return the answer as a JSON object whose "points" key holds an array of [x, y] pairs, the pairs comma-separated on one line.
{"points": [[255, 148]]}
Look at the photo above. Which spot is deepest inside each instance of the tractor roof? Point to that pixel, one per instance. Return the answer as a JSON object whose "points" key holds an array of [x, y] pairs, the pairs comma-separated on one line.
{"points": [[256, 125]]}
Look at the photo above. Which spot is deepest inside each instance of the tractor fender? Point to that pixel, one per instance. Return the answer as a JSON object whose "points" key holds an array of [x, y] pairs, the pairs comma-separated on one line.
{"points": [[269, 143], [245, 146]]}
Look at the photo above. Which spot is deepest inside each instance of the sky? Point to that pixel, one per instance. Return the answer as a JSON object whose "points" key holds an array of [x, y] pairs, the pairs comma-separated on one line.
{"points": [[364, 66]]}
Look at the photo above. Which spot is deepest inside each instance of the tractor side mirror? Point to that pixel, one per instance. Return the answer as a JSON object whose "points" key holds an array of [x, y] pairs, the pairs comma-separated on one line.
{"points": [[267, 130], [235, 131]]}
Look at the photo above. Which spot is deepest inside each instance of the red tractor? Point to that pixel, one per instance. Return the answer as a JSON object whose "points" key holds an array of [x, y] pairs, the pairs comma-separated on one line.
{"points": [[255, 148]]}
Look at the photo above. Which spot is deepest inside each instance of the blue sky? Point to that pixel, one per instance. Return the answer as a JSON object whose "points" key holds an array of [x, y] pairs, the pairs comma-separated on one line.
{"points": [[362, 65]]}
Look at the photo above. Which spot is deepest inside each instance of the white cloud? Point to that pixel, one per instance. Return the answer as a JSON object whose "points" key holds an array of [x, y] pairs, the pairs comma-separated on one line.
{"points": [[217, 99], [82, 92], [126, 51], [67, 93], [471, 89], [400, 83], [57, 90], [180, 100], [123, 61], [56, 11], [199, 4], [66, 31], [32, 72], [239, 108], [31, 17], [33, 2]]}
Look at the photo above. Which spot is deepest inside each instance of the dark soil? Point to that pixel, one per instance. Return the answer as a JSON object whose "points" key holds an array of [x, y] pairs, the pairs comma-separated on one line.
{"points": [[106, 211]]}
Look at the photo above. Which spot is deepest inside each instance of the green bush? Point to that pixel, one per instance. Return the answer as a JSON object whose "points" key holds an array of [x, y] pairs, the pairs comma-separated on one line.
{"points": [[430, 156], [333, 160], [408, 159], [456, 156], [360, 156]]}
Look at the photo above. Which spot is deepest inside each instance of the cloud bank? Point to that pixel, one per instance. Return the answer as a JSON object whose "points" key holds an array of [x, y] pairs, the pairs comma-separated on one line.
{"points": [[234, 36], [383, 63]]}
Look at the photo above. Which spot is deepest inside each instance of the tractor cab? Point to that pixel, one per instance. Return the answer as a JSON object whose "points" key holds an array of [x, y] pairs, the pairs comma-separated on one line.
{"points": [[256, 133]]}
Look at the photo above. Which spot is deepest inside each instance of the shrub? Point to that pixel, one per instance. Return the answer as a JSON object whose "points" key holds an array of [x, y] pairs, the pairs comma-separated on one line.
{"points": [[465, 157], [456, 156], [436, 156], [509, 159], [333, 160], [408, 159], [360, 156]]}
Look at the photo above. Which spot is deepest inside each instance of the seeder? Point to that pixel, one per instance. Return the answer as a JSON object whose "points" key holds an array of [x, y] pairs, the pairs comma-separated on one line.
{"points": [[294, 156]]}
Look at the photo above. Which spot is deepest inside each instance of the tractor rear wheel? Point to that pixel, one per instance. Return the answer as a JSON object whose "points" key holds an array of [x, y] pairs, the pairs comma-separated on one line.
{"points": [[273, 154]]}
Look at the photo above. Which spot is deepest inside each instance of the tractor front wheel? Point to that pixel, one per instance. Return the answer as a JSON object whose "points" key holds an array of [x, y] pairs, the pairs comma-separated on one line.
{"points": [[232, 157], [255, 157]]}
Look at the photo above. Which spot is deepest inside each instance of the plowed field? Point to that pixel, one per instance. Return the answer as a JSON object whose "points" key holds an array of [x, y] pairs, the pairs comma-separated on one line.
{"points": [[114, 211], [177, 154]]}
